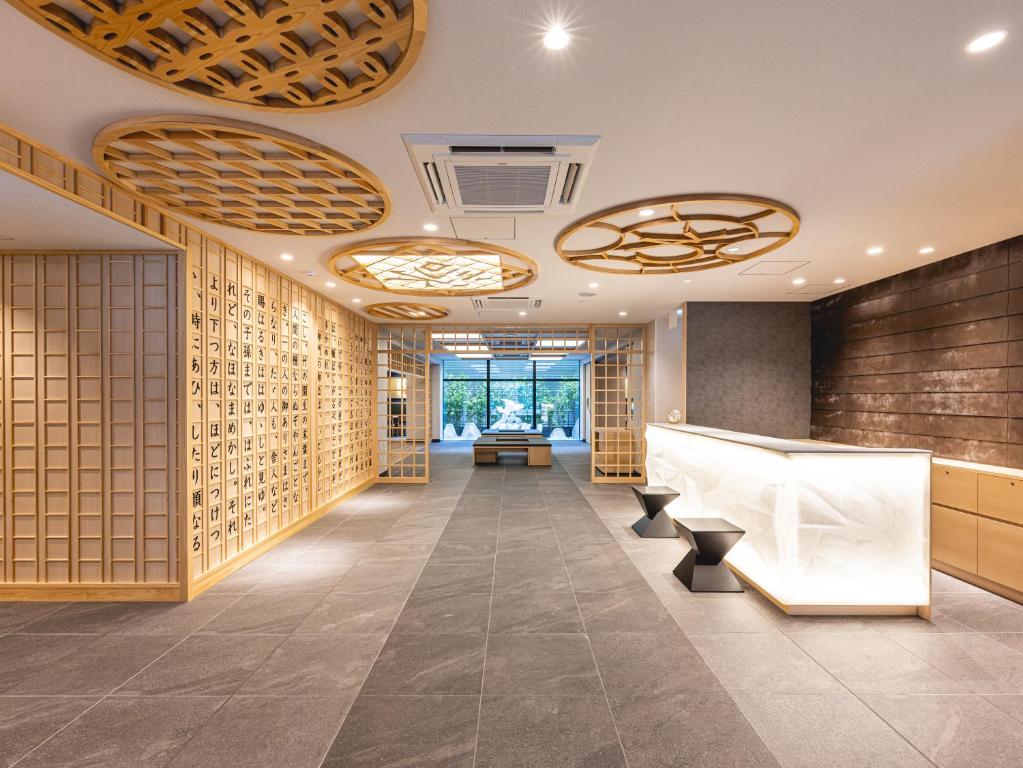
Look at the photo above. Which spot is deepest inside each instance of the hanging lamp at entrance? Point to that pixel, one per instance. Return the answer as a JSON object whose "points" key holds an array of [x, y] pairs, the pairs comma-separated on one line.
{"points": [[279, 55], [682, 233], [433, 266], [242, 175]]}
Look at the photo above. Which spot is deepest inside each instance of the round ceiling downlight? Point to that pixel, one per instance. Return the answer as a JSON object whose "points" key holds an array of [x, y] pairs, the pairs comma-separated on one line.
{"points": [[278, 55], [987, 41], [242, 175]]}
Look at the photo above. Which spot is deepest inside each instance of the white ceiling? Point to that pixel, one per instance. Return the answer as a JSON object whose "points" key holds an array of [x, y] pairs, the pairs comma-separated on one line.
{"points": [[867, 117], [35, 218]]}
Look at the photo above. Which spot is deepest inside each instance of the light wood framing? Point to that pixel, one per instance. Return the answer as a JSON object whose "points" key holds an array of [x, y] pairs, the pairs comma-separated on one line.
{"points": [[510, 339], [286, 56], [222, 296], [618, 387], [403, 404], [241, 175], [406, 310], [433, 266], [90, 454], [681, 233]]}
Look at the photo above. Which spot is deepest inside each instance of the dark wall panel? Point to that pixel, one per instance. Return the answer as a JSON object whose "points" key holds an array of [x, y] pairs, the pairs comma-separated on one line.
{"points": [[930, 358], [748, 367]]}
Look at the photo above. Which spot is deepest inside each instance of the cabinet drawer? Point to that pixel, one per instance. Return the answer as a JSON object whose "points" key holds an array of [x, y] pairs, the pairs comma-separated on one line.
{"points": [[954, 487], [954, 537], [1000, 552], [1000, 497]]}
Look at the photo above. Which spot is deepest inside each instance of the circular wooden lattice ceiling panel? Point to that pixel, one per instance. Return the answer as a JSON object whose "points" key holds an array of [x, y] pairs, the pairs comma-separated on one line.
{"points": [[433, 266], [242, 175], [685, 233], [280, 55], [405, 310]]}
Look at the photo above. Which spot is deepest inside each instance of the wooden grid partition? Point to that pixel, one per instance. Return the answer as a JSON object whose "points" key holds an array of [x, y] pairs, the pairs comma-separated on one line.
{"points": [[403, 398], [344, 400], [90, 483], [618, 385], [223, 297]]}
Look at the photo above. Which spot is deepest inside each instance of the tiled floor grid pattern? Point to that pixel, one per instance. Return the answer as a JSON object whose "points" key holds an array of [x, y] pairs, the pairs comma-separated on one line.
{"points": [[499, 617]]}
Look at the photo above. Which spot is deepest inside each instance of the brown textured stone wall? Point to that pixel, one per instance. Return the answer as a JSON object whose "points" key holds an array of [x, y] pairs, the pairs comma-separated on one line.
{"points": [[930, 358]]}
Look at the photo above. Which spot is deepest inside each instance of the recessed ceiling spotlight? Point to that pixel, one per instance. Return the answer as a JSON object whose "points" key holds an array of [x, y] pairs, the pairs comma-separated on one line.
{"points": [[875, 250], [839, 281], [987, 41], [732, 249], [522, 313], [623, 313], [287, 257], [356, 300], [330, 285], [646, 212], [799, 281], [926, 249], [687, 281], [430, 227], [594, 285], [556, 38]]}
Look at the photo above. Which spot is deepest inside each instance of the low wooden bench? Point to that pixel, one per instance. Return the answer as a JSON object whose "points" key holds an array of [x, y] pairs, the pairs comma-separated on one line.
{"points": [[488, 448]]}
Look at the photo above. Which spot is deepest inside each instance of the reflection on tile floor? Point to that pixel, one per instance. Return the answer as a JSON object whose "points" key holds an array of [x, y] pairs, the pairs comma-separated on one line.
{"points": [[502, 616]]}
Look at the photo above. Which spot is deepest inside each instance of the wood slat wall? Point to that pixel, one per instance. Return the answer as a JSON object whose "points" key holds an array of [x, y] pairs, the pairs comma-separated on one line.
{"points": [[930, 358], [89, 407]]}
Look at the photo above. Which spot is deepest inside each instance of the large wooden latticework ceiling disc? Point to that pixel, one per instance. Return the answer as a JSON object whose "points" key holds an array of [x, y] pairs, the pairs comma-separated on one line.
{"points": [[685, 233], [242, 175], [279, 55], [433, 266], [406, 310]]}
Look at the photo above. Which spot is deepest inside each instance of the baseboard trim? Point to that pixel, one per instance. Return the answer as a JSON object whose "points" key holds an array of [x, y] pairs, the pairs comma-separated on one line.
{"points": [[979, 581], [225, 569], [92, 592]]}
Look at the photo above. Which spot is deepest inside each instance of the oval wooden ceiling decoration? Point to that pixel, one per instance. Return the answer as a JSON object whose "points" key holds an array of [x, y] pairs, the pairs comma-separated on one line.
{"points": [[433, 266], [683, 233], [406, 310], [280, 55], [242, 175]]}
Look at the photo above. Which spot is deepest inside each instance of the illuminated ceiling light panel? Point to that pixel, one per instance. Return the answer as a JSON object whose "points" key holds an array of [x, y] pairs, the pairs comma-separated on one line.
{"points": [[282, 56], [684, 233], [466, 347], [454, 336], [559, 343], [474, 356], [404, 310], [424, 266]]}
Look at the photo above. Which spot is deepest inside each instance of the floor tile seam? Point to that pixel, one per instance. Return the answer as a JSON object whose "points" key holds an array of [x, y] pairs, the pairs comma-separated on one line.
{"points": [[359, 691], [100, 701], [486, 639], [14, 629], [941, 672], [589, 645], [710, 669]]}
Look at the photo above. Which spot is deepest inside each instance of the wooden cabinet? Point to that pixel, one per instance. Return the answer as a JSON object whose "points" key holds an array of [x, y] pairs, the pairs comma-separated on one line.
{"points": [[1000, 552], [1000, 497], [954, 537], [954, 487]]}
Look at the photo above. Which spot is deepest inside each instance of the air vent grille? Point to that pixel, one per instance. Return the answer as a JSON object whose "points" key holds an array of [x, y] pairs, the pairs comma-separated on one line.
{"points": [[503, 184]]}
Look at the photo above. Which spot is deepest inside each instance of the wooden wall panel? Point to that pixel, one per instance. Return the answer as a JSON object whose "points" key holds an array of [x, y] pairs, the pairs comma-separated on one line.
{"points": [[930, 358], [90, 455]]}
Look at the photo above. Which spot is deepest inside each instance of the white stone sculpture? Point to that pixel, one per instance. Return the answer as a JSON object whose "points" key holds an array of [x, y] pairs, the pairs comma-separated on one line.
{"points": [[450, 433], [510, 419], [470, 432], [575, 430], [557, 434]]}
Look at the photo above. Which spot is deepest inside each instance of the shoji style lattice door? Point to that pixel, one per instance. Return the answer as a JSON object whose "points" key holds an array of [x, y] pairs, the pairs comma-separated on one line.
{"points": [[403, 404], [618, 409], [90, 484]]}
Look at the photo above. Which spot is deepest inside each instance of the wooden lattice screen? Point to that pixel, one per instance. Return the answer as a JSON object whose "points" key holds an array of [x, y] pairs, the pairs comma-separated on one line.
{"points": [[618, 405], [403, 398]]}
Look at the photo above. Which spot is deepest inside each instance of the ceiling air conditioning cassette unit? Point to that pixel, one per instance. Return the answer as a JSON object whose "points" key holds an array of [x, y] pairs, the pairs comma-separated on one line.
{"points": [[504, 305], [501, 174]]}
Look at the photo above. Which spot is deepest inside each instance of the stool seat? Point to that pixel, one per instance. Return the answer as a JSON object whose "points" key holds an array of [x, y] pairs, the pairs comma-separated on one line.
{"points": [[710, 539], [656, 523]]}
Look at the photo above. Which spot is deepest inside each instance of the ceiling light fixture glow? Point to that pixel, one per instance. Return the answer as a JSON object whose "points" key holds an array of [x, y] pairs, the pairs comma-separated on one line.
{"points": [[522, 313], [646, 212], [556, 38], [732, 249], [623, 313], [594, 285], [799, 281], [687, 281], [926, 249], [430, 227], [356, 300], [875, 250], [287, 257], [987, 41], [839, 281], [331, 285]]}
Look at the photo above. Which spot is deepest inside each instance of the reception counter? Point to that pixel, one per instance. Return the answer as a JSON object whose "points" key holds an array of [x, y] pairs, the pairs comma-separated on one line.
{"points": [[830, 529]]}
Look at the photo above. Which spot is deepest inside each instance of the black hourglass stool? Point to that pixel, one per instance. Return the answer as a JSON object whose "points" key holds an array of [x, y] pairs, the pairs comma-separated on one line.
{"points": [[656, 524], [710, 539]]}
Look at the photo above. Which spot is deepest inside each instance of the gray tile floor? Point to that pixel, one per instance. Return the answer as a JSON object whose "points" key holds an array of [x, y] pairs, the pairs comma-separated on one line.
{"points": [[498, 617]]}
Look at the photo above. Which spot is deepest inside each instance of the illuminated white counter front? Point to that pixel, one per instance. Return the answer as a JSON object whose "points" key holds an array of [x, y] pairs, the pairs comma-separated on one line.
{"points": [[829, 528]]}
